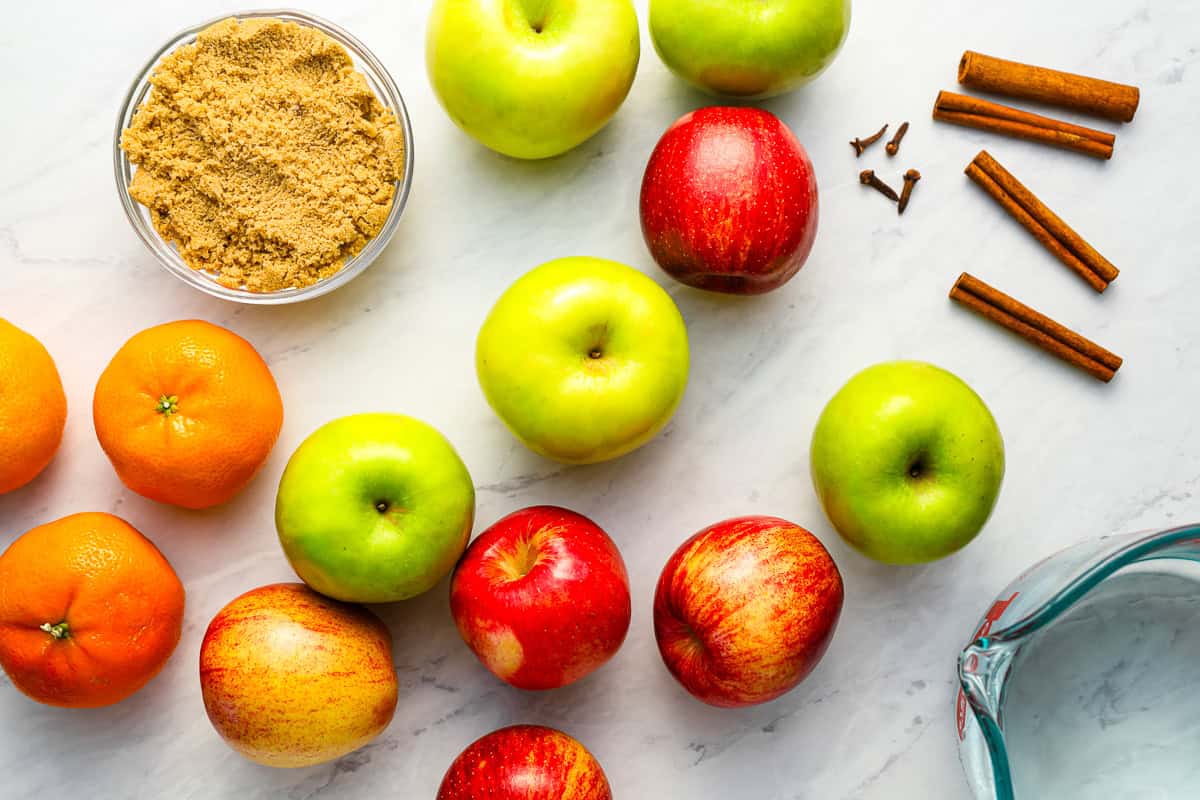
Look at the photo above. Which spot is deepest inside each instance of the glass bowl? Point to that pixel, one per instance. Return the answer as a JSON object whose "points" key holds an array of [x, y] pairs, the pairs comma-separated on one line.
{"points": [[139, 216]]}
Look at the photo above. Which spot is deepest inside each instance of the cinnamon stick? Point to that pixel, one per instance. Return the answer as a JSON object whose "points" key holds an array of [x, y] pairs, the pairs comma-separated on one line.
{"points": [[1037, 328], [1115, 101], [1055, 235], [973, 112]]}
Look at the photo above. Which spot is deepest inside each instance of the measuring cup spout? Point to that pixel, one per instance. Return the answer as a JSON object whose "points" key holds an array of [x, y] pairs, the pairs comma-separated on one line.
{"points": [[982, 668]]}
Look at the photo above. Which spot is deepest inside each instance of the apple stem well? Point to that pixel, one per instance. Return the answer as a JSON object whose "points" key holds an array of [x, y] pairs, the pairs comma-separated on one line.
{"points": [[692, 638], [536, 12], [597, 337], [918, 467], [519, 562]]}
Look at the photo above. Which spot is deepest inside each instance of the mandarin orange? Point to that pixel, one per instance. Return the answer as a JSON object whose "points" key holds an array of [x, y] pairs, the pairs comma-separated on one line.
{"points": [[187, 413], [90, 611], [33, 408]]}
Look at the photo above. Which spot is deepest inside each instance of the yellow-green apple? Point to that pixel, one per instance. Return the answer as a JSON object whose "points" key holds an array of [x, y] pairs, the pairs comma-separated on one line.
{"points": [[729, 201], [542, 597], [745, 609], [291, 678], [374, 508], [907, 461], [748, 49], [583, 359], [532, 78], [525, 762]]}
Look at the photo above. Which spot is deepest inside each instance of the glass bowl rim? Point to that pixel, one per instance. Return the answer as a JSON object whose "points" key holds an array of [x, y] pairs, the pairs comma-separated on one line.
{"points": [[166, 255]]}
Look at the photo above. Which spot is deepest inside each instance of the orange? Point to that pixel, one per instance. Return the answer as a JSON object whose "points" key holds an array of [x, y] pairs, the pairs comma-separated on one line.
{"points": [[90, 611], [187, 413], [33, 408]]}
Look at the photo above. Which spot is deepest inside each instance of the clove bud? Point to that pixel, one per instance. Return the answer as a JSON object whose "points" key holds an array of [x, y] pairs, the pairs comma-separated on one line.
{"points": [[893, 146], [910, 180], [860, 145], [868, 178]]}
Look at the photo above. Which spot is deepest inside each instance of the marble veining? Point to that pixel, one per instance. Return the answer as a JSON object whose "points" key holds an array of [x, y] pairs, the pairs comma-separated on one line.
{"points": [[876, 718]]}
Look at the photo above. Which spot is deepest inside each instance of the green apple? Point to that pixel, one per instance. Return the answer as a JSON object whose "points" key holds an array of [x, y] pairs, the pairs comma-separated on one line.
{"points": [[532, 78], [746, 48], [907, 461], [374, 508], [583, 359]]}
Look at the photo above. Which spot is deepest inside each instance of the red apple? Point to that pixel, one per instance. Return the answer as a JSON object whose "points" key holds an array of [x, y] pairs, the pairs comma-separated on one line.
{"points": [[745, 609], [729, 201], [541, 597], [525, 762]]}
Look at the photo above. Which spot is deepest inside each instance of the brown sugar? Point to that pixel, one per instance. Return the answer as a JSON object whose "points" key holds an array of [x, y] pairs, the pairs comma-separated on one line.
{"points": [[263, 155]]}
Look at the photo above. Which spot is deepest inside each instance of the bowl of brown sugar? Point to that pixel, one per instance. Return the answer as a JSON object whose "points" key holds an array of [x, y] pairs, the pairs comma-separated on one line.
{"points": [[264, 157]]}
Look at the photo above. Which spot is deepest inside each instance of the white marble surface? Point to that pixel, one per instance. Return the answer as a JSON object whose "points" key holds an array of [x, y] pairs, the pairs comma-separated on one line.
{"points": [[876, 719]]}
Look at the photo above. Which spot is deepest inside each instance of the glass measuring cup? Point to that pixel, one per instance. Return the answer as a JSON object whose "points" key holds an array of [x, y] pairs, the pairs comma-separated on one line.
{"points": [[1081, 679]]}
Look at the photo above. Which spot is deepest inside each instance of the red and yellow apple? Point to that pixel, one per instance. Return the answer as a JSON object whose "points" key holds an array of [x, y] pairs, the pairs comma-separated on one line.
{"points": [[525, 762], [291, 678], [542, 597], [745, 609], [729, 201]]}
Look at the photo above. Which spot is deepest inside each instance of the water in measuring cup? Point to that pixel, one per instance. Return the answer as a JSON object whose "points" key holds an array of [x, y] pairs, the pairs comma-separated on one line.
{"points": [[1105, 704]]}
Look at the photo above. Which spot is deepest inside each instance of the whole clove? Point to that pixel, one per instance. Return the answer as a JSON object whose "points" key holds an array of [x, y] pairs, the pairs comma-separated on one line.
{"points": [[860, 145], [893, 146], [910, 180], [868, 178]]}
